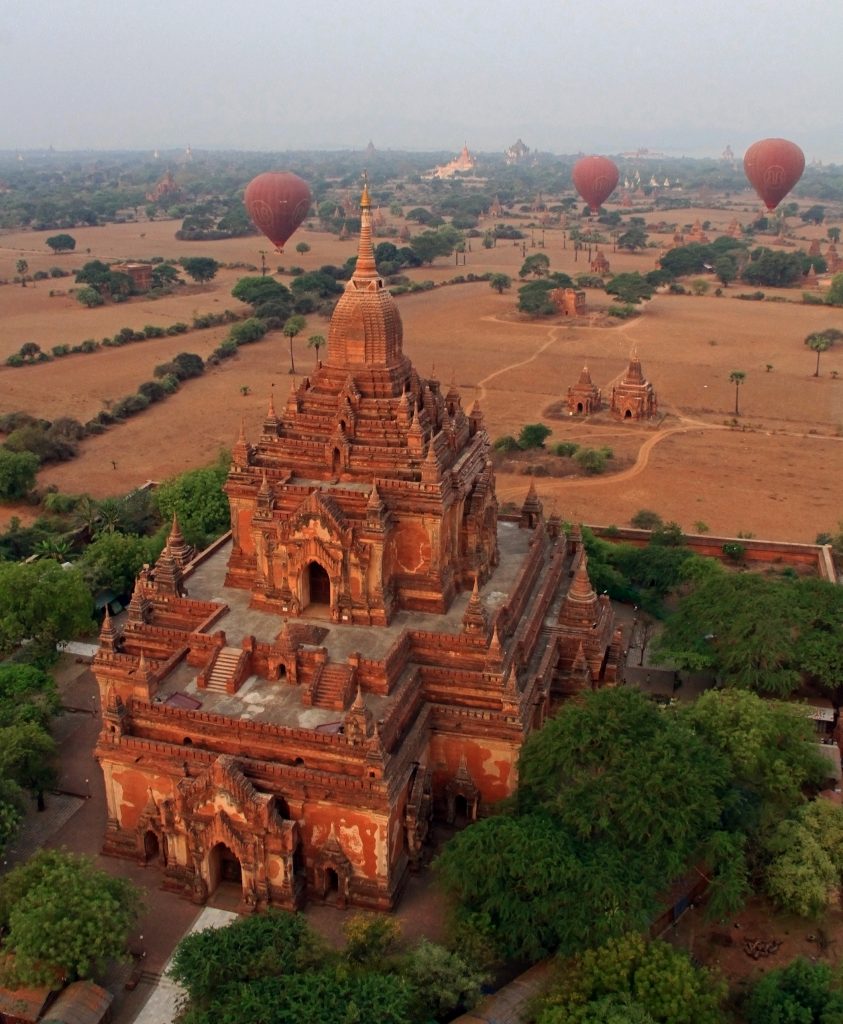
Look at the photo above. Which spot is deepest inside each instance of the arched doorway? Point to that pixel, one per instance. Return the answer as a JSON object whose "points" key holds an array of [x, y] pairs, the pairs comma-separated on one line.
{"points": [[223, 866], [579, 407], [319, 584], [332, 885], [151, 846], [628, 414]]}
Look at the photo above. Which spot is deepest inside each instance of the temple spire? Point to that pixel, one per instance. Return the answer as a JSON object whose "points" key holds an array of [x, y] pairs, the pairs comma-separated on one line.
{"points": [[366, 268]]}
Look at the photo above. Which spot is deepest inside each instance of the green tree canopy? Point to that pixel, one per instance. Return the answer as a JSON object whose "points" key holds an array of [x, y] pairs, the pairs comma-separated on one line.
{"points": [[634, 238], [630, 287], [64, 917], [42, 602], [805, 859], [633, 980], [500, 283], [197, 498], [758, 633], [769, 745], [17, 473], [200, 268], [62, 243], [429, 245], [113, 560], [27, 694], [28, 758], [801, 993]]}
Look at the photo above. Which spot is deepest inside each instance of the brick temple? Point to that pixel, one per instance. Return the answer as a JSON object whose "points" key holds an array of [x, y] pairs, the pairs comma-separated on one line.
{"points": [[633, 397], [362, 656]]}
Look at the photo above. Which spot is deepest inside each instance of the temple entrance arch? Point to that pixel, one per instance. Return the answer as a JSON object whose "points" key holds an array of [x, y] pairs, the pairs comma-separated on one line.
{"points": [[579, 407], [628, 414], [223, 866], [318, 584], [151, 846]]}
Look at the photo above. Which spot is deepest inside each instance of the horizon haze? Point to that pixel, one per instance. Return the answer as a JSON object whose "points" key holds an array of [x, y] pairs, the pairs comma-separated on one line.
{"points": [[604, 77]]}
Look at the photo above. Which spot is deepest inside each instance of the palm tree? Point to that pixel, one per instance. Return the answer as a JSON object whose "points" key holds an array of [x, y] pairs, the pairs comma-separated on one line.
{"points": [[821, 341], [293, 326], [54, 547], [737, 377], [316, 341]]}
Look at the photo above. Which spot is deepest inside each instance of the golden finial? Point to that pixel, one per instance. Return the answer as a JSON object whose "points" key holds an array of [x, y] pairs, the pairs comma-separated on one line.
{"points": [[365, 201]]}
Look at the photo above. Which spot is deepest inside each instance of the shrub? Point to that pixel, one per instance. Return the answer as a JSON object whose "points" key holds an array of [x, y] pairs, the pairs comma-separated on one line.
{"points": [[591, 460], [129, 406], [507, 443], [152, 390], [733, 551], [566, 449], [170, 383], [247, 332], [533, 435], [624, 312], [150, 331], [646, 519], [60, 350]]}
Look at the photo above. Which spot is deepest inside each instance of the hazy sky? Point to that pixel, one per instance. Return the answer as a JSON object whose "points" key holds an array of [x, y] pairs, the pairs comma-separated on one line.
{"points": [[686, 76]]}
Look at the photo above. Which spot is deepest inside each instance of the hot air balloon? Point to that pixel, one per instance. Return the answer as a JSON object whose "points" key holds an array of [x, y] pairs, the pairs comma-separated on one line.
{"points": [[772, 167], [595, 178], [277, 202]]}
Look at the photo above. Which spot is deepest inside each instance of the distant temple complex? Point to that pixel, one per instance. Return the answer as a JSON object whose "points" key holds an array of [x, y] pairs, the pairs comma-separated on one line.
{"points": [[462, 164], [364, 654], [517, 153], [633, 398]]}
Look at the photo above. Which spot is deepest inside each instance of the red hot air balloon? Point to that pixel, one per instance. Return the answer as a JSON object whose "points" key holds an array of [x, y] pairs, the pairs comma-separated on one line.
{"points": [[595, 178], [772, 167], [277, 202]]}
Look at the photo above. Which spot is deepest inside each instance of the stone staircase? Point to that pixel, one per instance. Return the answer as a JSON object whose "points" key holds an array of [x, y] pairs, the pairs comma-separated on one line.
{"points": [[332, 686], [223, 669]]}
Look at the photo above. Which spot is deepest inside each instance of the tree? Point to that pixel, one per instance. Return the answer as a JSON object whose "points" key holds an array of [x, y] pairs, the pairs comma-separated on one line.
{"points": [[17, 473], [316, 341], [164, 274], [64, 917], [533, 435], [27, 695], [769, 745], [113, 561], [273, 967], [737, 377], [756, 633], [62, 243], [22, 267], [725, 269], [28, 758], [834, 295], [634, 238], [538, 265], [833, 234], [813, 215], [196, 498], [500, 283], [630, 288], [89, 297], [801, 993], [428, 245], [443, 980], [12, 806], [302, 248], [293, 326], [42, 602], [200, 268], [818, 343], [822, 341], [255, 291], [615, 800], [775, 269], [805, 859], [534, 298], [651, 979]]}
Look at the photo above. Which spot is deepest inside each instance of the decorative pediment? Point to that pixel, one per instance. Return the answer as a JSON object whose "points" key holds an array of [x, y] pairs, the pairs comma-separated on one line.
{"points": [[225, 776], [325, 510]]}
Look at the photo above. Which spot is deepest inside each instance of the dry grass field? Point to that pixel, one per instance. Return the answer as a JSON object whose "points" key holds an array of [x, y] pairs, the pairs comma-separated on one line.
{"points": [[778, 474]]}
